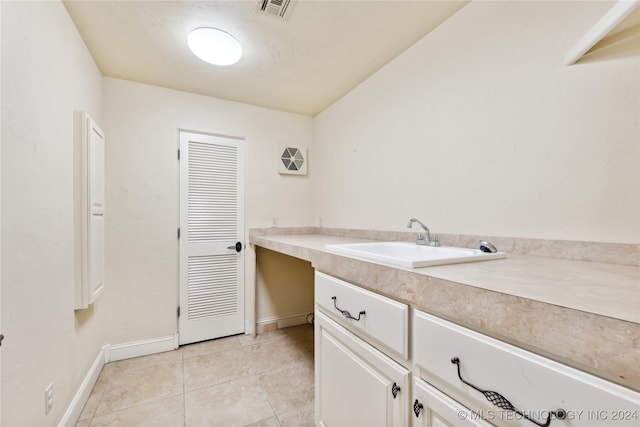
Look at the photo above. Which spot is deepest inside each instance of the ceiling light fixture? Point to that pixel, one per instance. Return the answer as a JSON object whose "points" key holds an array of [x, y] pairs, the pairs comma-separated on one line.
{"points": [[214, 46]]}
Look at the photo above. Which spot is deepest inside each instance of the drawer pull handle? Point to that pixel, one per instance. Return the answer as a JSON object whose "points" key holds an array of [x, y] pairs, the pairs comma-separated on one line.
{"points": [[345, 313], [395, 390], [417, 407], [500, 401]]}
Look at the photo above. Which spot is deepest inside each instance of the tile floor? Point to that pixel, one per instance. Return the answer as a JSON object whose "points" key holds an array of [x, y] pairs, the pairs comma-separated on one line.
{"points": [[264, 381]]}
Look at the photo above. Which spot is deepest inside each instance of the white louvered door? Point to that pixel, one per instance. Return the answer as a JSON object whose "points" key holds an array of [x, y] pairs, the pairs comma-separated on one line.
{"points": [[211, 225]]}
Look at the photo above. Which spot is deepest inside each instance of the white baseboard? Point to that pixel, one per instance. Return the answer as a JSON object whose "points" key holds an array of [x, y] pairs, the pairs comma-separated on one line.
{"points": [[141, 348], [262, 325], [76, 406]]}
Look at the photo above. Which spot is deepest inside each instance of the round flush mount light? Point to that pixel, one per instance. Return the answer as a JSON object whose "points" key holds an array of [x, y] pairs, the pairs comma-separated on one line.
{"points": [[214, 46]]}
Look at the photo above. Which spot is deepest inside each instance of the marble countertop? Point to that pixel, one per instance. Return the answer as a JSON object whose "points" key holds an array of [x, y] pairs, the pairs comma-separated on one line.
{"points": [[584, 314]]}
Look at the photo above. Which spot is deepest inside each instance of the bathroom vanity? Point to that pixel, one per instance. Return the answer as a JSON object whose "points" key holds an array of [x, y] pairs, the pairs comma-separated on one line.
{"points": [[519, 341]]}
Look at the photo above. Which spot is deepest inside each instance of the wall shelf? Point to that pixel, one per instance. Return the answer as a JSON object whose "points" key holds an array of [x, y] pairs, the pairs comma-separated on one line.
{"points": [[621, 16]]}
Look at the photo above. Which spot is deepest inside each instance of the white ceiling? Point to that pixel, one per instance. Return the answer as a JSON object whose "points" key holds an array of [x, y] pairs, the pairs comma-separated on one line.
{"points": [[302, 64]]}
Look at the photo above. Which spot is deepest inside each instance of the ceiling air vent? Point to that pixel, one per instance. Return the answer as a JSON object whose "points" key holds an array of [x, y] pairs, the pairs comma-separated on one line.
{"points": [[278, 8]]}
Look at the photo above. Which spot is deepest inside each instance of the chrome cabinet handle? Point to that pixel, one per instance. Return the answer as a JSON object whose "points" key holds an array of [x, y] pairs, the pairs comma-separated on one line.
{"points": [[500, 401], [345, 313]]}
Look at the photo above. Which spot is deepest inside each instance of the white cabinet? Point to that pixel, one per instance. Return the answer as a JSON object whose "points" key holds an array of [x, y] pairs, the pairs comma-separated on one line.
{"points": [[507, 385], [358, 333], [90, 284], [356, 385], [432, 408], [461, 378]]}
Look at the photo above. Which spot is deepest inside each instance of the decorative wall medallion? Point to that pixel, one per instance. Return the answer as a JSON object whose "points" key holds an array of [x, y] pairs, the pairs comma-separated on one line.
{"points": [[293, 161]]}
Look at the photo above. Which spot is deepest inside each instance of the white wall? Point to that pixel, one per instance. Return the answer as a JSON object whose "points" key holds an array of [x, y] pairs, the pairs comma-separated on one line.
{"points": [[142, 123], [479, 129], [0, 212], [47, 73]]}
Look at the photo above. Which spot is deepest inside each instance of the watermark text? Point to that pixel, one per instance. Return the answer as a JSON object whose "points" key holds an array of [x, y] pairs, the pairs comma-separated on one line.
{"points": [[577, 415]]}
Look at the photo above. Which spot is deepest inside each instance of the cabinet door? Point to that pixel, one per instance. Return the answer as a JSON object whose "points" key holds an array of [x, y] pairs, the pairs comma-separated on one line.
{"points": [[432, 408], [96, 257], [95, 172], [90, 282], [356, 385], [95, 210]]}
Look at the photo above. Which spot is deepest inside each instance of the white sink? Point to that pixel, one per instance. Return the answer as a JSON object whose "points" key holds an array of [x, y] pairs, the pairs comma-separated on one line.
{"points": [[406, 254]]}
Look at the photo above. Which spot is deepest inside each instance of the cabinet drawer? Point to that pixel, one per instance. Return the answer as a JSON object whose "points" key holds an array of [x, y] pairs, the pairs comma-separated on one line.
{"points": [[384, 320], [531, 383]]}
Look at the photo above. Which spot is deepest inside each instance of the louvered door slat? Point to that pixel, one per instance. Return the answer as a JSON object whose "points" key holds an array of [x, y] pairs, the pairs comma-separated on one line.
{"points": [[212, 199], [212, 286]]}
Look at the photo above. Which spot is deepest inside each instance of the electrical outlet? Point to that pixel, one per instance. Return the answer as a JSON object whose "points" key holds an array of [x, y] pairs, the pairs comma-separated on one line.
{"points": [[48, 398], [274, 221]]}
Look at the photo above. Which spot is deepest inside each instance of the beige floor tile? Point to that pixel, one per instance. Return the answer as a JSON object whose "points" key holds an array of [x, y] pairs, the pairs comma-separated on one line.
{"points": [[83, 423], [301, 417], [236, 403], [269, 422], [215, 368], [90, 407], [167, 412], [280, 353], [211, 346], [235, 381], [303, 341], [305, 329], [92, 402], [290, 388], [303, 360], [133, 387], [174, 356], [246, 340], [96, 395]]}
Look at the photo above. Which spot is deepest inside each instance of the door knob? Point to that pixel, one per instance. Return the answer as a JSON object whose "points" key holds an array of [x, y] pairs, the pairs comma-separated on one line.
{"points": [[237, 247]]}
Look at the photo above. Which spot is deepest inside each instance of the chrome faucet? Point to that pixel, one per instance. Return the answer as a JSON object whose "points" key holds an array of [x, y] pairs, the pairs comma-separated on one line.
{"points": [[424, 238]]}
